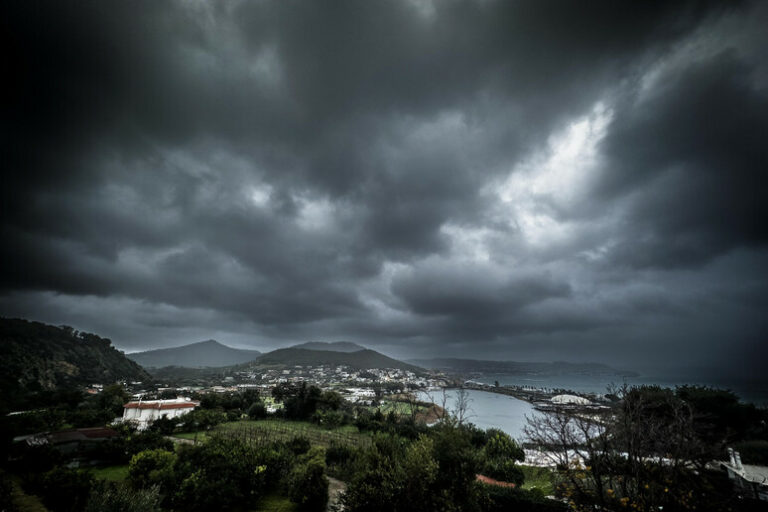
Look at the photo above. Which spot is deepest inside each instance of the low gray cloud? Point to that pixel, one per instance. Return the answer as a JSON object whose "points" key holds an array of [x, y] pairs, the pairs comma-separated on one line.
{"points": [[522, 180]]}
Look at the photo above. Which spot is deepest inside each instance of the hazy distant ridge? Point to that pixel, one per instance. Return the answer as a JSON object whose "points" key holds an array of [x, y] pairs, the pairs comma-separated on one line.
{"points": [[361, 359], [516, 367], [208, 353]]}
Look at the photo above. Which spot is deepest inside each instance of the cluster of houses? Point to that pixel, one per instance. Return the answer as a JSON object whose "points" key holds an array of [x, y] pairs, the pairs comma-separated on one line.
{"points": [[338, 374]]}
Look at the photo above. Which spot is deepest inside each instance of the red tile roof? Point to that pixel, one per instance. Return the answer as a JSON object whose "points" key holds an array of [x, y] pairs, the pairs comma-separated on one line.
{"points": [[160, 405]]}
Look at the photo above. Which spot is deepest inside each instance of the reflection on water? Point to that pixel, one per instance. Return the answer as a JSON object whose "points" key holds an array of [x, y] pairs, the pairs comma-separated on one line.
{"points": [[488, 410]]}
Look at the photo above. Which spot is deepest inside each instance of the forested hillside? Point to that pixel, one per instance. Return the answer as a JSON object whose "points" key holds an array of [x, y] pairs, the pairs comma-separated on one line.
{"points": [[37, 357]]}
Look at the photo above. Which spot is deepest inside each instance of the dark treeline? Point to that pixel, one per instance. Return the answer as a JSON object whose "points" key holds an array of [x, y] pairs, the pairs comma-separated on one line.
{"points": [[654, 450]]}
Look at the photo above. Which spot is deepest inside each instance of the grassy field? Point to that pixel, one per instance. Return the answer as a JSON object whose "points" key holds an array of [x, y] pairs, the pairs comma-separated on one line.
{"points": [[201, 436], [111, 473], [540, 478], [277, 430]]}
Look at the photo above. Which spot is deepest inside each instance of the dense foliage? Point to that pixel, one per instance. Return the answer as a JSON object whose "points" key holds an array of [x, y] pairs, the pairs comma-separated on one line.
{"points": [[38, 357], [651, 452]]}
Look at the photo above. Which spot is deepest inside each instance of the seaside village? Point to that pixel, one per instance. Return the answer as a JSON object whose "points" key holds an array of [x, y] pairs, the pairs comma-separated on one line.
{"points": [[361, 387], [356, 386]]}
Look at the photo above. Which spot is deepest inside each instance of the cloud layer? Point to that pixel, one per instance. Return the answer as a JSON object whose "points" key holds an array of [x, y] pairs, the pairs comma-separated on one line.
{"points": [[471, 178]]}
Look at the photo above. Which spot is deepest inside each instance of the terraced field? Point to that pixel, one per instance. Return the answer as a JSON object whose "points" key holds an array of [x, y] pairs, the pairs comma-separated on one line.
{"points": [[277, 430]]}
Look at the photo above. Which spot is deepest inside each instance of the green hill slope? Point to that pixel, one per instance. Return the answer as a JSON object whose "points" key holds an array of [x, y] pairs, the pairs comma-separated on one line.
{"points": [[336, 346], [209, 353], [362, 359], [37, 357]]}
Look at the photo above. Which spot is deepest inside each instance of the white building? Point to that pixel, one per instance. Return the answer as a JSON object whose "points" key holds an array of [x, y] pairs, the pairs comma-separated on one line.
{"points": [[145, 412], [748, 480], [570, 400]]}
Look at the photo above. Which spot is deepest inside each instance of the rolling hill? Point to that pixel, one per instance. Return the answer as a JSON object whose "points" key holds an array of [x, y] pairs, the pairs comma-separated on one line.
{"points": [[336, 346], [361, 359], [204, 354], [37, 357]]}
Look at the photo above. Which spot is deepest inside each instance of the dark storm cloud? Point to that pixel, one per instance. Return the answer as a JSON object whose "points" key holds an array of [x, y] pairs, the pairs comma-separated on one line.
{"points": [[392, 172], [696, 149]]}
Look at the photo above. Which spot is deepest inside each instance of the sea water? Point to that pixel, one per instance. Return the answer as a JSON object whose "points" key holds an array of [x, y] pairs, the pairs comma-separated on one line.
{"points": [[487, 410]]}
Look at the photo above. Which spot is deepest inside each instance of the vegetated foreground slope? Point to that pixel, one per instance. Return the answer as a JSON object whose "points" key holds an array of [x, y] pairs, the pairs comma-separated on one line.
{"points": [[36, 356], [204, 354], [362, 359]]}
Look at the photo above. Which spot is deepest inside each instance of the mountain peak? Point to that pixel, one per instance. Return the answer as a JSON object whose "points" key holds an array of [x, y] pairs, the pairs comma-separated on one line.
{"points": [[208, 353], [334, 346]]}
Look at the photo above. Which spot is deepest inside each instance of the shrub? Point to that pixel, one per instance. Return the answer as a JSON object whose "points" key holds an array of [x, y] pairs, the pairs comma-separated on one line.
{"points": [[504, 470], [299, 445], [221, 474], [307, 483], [500, 446], [111, 497], [257, 411], [151, 468], [65, 490], [163, 426], [503, 499], [140, 442], [338, 453]]}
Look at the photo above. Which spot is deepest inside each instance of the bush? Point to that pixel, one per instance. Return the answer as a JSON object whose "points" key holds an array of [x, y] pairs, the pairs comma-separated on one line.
{"points": [[307, 483], [163, 426], [299, 445], [338, 453], [342, 461], [504, 470], [504, 499], [111, 497], [500, 446], [144, 441], [152, 468], [202, 419], [219, 475], [64, 490], [257, 411]]}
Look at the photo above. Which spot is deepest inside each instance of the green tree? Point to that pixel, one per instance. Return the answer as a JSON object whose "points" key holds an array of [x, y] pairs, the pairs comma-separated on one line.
{"points": [[112, 398], [163, 425], [500, 445], [152, 468], [257, 411], [307, 483], [220, 474]]}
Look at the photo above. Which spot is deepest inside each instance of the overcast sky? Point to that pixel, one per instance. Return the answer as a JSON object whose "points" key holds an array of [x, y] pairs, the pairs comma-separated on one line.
{"points": [[486, 179]]}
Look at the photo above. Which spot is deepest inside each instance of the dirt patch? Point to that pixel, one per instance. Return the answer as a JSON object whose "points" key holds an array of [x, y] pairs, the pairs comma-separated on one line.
{"points": [[431, 414], [335, 489]]}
